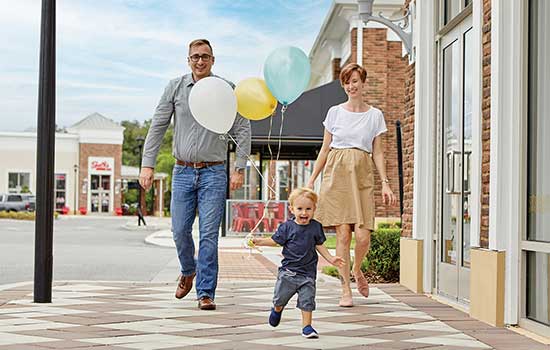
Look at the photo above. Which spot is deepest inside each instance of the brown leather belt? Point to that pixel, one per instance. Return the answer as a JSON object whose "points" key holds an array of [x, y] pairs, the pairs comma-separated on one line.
{"points": [[198, 165]]}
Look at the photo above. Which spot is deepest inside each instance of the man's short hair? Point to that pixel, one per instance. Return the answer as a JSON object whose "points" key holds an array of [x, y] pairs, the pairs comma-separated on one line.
{"points": [[348, 70], [302, 192], [198, 42]]}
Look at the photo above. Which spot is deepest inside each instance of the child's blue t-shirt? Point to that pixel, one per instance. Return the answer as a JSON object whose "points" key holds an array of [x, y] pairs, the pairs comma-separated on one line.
{"points": [[298, 242]]}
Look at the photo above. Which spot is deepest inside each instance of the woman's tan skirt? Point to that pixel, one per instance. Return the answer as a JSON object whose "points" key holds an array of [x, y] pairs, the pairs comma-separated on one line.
{"points": [[347, 189]]}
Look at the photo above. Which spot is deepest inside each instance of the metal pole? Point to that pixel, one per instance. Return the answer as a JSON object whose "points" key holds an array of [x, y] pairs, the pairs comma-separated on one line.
{"points": [[75, 188], [140, 197], [45, 153], [400, 163], [228, 188]]}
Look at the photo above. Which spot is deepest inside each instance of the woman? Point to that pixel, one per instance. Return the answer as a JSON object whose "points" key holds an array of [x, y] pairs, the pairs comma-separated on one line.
{"points": [[351, 145]]}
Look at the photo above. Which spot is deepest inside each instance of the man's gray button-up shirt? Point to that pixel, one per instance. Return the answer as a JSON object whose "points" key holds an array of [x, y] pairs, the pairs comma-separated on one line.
{"points": [[192, 142]]}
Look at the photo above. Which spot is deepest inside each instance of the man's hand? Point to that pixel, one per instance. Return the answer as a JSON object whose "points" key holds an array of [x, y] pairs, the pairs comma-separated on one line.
{"points": [[146, 178], [237, 179]]}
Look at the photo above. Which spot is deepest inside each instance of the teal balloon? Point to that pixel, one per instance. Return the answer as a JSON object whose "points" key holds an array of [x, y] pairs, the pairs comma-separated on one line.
{"points": [[286, 73]]}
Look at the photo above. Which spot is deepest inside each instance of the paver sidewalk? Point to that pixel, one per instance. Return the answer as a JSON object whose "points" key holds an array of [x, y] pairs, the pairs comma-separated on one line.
{"points": [[126, 315]]}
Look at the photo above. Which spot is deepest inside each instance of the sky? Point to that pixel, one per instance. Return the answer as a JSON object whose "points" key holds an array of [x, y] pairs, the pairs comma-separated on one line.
{"points": [[115, 57]]}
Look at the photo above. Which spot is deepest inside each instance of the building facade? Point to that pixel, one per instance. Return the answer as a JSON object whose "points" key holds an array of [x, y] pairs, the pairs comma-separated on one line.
{"points": [[477, 214], [344, 39], [89, 176], [475, 107]]}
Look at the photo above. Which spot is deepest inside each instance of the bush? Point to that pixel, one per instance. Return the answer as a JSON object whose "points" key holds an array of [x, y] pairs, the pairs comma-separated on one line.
{"points": [[331, 271], [382, 261], [21, 215], [383, 256]]}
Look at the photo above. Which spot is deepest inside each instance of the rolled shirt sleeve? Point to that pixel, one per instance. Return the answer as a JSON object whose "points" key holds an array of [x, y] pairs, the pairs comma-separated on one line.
{"points": [[242, 134]]}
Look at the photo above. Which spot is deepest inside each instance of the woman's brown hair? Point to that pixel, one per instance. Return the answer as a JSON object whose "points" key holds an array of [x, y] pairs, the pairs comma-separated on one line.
{"points": [[348, 70]]}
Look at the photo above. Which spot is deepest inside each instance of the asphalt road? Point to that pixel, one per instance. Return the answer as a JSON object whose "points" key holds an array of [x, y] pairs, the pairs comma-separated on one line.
{"points": [[98, 249]]}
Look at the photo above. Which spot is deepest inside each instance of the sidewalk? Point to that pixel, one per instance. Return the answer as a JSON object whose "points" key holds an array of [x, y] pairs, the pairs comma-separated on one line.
{"points": [[128, 315]]}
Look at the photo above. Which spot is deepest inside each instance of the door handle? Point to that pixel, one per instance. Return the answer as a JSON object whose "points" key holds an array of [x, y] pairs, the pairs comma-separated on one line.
{"points": [[450, 186]]}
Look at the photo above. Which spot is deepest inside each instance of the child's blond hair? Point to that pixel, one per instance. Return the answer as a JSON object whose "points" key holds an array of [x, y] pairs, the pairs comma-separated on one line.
{"points": [[302, 191]]}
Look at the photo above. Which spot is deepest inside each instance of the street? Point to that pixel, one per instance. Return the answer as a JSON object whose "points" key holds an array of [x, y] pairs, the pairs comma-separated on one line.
{"points": [[98, 249]]}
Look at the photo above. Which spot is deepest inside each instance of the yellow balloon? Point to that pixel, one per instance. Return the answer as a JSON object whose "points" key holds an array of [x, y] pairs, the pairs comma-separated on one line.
{"points": [[254, 100]]}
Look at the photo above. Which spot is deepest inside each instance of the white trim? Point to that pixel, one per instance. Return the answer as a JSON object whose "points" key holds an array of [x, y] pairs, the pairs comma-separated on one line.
{"points": [[477, 122], [359, 42], [538, 328], [508, 142], [424, 130], [533, 246]]}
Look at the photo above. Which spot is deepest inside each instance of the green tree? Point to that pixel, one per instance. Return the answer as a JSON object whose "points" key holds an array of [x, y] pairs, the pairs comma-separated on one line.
{"points": [[130, 156]]}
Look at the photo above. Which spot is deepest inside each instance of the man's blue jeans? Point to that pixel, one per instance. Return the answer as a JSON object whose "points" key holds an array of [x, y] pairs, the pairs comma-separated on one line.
{"points": [[202, 190]]}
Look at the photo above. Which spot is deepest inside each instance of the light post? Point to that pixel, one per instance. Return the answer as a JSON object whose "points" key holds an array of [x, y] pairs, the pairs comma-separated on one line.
{"points": [[140, 140], [75, 167], [398, 25], [45, 158]]}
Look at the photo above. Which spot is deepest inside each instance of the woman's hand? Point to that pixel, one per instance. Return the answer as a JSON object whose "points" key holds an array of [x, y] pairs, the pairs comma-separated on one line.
{"points": [[310, 185], [387, 195]]}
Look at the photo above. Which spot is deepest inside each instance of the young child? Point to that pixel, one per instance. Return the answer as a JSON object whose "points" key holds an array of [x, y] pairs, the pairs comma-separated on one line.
{"points": [[300, 237]]}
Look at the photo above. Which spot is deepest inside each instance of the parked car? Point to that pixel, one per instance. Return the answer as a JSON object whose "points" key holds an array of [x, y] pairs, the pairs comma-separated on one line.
{"points": [[12, 202], [30, 201]]}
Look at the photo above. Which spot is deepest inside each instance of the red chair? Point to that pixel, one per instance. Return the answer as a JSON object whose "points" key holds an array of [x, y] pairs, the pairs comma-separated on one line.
{"points": [[242, 220], [266, 225], [279, 217]]}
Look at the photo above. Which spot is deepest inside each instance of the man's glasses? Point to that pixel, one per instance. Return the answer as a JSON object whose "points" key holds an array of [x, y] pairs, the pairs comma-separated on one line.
{"points": [[205, 57]]}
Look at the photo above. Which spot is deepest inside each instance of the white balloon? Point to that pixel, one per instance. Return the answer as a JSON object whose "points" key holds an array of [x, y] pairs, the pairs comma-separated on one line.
{"points": [[213, 103]]}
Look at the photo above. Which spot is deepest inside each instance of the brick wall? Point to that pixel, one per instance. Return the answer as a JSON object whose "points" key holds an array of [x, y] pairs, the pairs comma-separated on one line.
{"points": [[486, 128], [386, 69], [408, 151], [336, 68], [98, 150]]}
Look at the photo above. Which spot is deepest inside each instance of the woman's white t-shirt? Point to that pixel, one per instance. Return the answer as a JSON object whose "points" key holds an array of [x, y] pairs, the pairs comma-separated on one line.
{"points": [[354, 129]]}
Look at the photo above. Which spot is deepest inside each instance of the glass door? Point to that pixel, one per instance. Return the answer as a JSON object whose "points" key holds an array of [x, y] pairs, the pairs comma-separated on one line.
{"points": [[456, 139], [536, 243], [100, 192]]}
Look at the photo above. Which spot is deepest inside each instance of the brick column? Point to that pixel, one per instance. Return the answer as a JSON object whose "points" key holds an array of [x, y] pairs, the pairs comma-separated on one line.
{"points": [[408, 151], [486, 127]]}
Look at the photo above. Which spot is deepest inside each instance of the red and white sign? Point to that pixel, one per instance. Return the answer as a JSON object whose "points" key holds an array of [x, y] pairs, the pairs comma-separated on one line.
{"points": [[101, 165]]}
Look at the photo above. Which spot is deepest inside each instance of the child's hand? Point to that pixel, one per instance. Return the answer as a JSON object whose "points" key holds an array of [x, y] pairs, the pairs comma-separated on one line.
{"points": [[337, 261]]}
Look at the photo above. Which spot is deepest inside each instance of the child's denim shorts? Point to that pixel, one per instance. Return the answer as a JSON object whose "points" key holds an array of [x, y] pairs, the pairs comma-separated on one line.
{"points": [[290, 283]]}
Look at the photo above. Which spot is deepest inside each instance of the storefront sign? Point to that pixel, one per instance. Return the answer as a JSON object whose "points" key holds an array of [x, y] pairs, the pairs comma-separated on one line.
{"points": [[101, 166]]}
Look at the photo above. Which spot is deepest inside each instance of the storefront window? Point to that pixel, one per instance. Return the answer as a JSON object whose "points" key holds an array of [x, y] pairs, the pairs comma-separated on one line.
{"points": [[539, 123], [538, 292], [538, 213], [19, 182], [60, 191], [451, 8]]}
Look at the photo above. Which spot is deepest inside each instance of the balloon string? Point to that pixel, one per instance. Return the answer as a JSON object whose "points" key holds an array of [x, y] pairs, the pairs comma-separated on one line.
{"points": [[251, 162], [248, 237], [283, 110]]}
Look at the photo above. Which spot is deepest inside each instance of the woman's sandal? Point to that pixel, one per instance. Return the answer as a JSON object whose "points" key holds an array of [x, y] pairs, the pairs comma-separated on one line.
{"points": [[345, 301], [362, 284]]}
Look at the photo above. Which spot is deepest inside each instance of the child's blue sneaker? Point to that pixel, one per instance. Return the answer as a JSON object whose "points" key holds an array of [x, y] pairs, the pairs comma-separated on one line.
{"points": [[309, 332], [275, 317]]}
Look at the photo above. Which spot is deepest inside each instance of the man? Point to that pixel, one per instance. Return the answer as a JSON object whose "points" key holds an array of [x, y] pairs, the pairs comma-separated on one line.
{"points": [[199, 178]]}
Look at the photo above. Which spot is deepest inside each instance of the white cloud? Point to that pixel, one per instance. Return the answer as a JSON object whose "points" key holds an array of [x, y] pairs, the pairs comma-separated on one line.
{"points": [[115, 56]]}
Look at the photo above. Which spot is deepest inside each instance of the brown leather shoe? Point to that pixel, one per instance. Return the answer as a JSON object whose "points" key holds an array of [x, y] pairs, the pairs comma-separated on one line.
{"points": [[184, 285], [205, 303]]}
